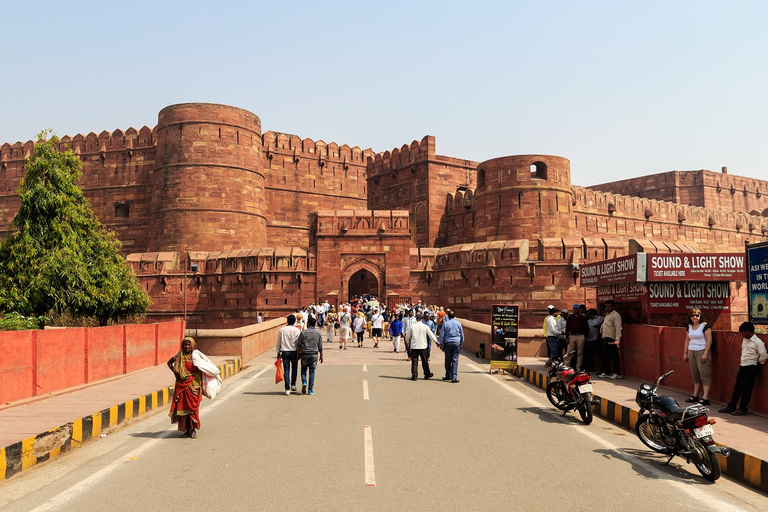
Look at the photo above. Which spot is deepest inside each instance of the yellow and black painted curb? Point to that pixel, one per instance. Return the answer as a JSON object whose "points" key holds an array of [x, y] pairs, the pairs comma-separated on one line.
{"points": [[739, 465], [49, 445]]}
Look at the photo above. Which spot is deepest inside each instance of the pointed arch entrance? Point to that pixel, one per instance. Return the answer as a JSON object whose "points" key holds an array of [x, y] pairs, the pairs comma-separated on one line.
{"points": [[363, 282], [362, 277]]}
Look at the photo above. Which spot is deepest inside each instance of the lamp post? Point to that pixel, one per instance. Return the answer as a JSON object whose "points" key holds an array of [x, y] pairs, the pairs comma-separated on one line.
{"points": [[194, 267]]}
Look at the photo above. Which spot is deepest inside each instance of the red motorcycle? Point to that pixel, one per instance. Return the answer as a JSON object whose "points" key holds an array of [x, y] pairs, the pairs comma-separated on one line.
{"points": [[570, 389]]}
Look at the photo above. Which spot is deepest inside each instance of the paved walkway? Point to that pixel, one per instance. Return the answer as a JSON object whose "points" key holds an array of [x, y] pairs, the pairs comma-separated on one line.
{"points": [[29, 418]]}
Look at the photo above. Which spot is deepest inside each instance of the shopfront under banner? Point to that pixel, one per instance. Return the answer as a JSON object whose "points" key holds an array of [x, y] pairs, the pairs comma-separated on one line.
{"points": [[757, 282], [504, 330], [681, 297]]}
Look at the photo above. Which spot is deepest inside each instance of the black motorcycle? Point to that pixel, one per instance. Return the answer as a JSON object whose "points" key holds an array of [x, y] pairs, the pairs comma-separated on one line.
{"points": [[570, 389], [667, 428]]}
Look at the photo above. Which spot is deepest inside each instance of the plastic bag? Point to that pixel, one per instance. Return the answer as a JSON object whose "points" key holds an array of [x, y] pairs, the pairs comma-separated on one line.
{"points": [[211, 385], [279, 371]]}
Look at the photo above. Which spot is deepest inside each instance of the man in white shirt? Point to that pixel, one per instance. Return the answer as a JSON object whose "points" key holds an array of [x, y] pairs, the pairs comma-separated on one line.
{"points": [[419, 343], [286, 349], [753, 356], [377, 324], [553, 345]]}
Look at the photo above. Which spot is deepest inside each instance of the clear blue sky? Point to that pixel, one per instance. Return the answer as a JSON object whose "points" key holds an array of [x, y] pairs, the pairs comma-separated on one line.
{"points": [[621, 88]]}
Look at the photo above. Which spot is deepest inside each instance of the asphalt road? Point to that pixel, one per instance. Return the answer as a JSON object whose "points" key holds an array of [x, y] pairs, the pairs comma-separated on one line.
{"points": [[486, 442]]}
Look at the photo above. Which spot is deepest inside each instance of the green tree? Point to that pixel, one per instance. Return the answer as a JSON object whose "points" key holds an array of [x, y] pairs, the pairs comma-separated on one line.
{"points": [[60, 258]]}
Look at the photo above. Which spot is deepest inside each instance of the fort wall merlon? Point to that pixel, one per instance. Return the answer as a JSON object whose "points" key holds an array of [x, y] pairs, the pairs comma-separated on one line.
{"points": [[407, 155], [282, 143]]}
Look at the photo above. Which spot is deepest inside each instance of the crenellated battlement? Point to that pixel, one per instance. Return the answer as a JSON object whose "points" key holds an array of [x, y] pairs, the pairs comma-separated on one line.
{"points": [[595, 202], [403, 157], [283, 143]]}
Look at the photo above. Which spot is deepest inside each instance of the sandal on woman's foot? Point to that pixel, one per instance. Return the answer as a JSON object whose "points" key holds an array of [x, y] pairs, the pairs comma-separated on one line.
{"points": [[704, 401], [692, 399], [193, 435]]}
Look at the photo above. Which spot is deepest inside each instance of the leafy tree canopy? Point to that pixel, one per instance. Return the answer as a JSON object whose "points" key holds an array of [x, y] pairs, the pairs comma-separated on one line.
{"points": [[60, 258]]}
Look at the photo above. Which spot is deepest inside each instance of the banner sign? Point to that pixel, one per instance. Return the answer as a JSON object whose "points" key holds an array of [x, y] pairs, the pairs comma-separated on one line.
{"points": [[681, 297], [627, 269], [629, 292], [504, 321], [697, 267], [757, 282]]}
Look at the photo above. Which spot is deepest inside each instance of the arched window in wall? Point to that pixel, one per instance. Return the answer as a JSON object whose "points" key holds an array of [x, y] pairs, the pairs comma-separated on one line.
{"points": [[481, 178], [539, 170]]}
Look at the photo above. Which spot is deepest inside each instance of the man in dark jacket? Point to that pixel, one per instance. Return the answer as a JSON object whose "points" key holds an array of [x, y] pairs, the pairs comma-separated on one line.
{"points": [[309, 347], [576, 330]]}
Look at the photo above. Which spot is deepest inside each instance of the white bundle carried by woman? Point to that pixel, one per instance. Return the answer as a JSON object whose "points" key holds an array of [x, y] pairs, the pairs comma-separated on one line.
{"points": [[211, 374]]}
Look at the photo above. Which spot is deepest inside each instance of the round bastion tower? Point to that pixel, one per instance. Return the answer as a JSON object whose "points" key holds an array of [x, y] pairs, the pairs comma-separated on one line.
{"points": [[523, 197], [208, 184]]}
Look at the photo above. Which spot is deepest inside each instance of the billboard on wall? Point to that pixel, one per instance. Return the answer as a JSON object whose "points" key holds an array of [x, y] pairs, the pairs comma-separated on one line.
{"points": [[504, 322], [627, 269], [673, 297], [757, 282], [697, 267]]}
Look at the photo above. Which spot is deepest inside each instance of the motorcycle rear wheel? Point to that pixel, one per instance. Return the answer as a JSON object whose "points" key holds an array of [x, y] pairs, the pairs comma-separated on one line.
{"points": [[644, 431], [708, 463], [556, 394], [585, 411]]}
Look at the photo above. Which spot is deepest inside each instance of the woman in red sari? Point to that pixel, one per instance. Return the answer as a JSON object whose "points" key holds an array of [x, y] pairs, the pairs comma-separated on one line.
{"points": [[187, 394]]}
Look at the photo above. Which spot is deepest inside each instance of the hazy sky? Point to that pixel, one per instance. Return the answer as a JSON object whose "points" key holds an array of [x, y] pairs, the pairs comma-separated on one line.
{"points": [[621, 88]]}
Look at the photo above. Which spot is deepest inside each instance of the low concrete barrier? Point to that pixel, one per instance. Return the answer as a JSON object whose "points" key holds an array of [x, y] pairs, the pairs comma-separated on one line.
{"points": [[530, 342], [246, 342]]}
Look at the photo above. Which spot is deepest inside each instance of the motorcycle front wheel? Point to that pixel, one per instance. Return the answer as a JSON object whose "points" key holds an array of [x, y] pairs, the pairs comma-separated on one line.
{"points": [[585, 411], [556, 394], [645, 431], [706, 462]]}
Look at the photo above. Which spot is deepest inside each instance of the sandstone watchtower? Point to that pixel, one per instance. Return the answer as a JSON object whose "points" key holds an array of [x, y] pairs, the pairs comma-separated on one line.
{"points": [[208, 187]]}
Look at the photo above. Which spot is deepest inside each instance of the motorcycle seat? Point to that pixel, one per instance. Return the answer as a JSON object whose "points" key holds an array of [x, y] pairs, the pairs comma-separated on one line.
{"points": [[670, 406]]}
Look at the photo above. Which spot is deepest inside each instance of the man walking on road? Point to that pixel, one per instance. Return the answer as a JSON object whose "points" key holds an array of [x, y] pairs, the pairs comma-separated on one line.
{"points": [[286, 349], [309, 345], [611, 332], [419, 341], [451, 341]]}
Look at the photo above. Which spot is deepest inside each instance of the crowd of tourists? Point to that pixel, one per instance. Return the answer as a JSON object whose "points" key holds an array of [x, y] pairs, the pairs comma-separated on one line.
{"points": [[412, 327]]}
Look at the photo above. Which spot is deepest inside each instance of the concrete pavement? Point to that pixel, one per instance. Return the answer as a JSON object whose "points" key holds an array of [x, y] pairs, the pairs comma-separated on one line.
{"points": [[38, 429]]}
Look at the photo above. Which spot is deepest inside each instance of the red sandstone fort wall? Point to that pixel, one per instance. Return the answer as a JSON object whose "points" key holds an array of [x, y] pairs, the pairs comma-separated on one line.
{"points": [[304, 176], [708, 189], [116, 169], [416, 179]]}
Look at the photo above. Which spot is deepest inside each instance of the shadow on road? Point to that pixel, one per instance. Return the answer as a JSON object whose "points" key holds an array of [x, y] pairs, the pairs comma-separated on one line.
{"points": [[280, 392], [156, 435], [641, 459]]}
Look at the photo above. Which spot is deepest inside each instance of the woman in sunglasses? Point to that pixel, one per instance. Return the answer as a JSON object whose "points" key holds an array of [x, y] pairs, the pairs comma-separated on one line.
{"points": [[698, 343]]}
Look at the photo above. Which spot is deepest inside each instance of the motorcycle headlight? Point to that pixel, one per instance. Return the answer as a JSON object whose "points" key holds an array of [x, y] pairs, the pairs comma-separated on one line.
{"points": [[643, 391]]}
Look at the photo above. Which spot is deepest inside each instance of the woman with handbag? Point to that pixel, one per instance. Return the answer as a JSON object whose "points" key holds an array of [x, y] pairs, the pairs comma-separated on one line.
{"points": [[698, 344]]}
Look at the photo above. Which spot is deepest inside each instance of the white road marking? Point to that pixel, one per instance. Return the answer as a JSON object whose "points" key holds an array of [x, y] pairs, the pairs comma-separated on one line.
{"points": [[365, 367], [370, 474], [365, 390], [702, 498], [67, 495]]}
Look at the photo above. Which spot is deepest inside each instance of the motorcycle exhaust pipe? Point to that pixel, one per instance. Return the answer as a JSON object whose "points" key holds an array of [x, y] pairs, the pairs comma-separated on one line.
{"points": [[722, 450]]}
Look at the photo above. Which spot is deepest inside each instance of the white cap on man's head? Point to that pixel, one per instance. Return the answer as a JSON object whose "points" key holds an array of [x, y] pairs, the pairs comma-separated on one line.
{"points": [[551, 307]]}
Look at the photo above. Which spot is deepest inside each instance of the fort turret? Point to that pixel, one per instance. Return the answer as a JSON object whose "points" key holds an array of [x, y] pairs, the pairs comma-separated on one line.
{"points": [[523, 197], [208, 186]]}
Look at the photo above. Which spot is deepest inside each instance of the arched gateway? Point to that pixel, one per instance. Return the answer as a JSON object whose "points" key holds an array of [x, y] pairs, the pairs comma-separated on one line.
{"points": [[363, 282]]}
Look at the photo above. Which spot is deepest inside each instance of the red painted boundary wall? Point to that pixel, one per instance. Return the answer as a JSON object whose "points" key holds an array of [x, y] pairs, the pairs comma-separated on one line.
{"points": [[38, 362], [647, 351]]}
